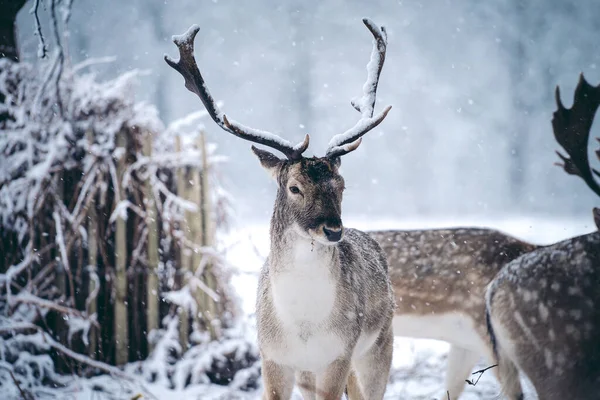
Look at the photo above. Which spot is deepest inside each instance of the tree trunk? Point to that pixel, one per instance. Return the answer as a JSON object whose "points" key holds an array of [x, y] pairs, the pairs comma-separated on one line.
{"points": [[8, 28]]}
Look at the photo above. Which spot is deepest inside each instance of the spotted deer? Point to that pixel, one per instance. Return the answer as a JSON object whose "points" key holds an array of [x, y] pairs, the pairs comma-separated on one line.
{"points": [[543, 308], [325, 304], [439, 277]]}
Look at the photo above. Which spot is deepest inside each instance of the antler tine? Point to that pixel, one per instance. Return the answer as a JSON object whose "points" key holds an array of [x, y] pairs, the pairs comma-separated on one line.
{"points": [[572, 130], [194, 82], [348, 141]]}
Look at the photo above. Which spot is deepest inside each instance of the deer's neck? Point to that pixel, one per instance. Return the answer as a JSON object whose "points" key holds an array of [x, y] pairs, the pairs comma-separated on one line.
{"points": [[291, 251], [303, 278]]}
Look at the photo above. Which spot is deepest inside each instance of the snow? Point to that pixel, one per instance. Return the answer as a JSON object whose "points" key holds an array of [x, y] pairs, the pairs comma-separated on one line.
{"points": [[362, 126]]}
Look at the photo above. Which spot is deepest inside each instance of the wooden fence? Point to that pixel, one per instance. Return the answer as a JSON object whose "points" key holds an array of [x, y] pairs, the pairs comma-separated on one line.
{"points": [[112, 242]]}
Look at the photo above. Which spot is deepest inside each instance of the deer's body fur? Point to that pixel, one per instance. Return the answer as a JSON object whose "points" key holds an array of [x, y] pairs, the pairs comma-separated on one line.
{"points": [[439, 277], [544, 316]]}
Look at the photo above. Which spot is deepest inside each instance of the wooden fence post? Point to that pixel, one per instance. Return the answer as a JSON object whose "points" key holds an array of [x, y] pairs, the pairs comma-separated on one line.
{"points": [[195, 236], [212, 311], [184, 255], [120, 284], [152, 288], [92, 230]]}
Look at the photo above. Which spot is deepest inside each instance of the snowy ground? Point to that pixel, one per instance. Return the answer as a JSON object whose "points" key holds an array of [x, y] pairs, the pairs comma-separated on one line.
{"points": [[418, 366]]}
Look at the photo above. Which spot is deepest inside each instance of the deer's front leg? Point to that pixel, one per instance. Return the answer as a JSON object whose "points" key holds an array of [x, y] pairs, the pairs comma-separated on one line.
{"points": [[278, 381], [332, 382]]}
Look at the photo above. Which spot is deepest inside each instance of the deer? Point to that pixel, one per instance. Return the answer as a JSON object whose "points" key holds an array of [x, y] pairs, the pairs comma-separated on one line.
{"points": [[439, 277], [324, 301], [543, 308]]}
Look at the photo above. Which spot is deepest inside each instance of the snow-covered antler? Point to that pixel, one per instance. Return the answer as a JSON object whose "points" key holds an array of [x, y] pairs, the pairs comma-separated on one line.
{"points": [[572, 131], [350, 140], [194, 82]]}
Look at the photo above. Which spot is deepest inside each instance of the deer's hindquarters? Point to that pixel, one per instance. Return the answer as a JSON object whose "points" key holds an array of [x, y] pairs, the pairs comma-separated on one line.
{"points": [[544, 316]]}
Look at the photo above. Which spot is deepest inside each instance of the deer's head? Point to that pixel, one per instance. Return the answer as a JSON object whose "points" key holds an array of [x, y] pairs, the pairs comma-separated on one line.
{"points": [[310, 189], [309, 194]]}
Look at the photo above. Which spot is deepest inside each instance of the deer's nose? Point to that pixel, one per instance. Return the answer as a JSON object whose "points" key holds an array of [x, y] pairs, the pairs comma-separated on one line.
{"points": [[333, 234]]}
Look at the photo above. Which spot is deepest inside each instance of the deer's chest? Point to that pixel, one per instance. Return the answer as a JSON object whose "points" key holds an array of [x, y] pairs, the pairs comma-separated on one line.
{"points": [[304, 298], [304, 294]]}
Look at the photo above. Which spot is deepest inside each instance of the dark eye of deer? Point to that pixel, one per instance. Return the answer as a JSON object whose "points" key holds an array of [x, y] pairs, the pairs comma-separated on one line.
{"points": [[294, 189]]}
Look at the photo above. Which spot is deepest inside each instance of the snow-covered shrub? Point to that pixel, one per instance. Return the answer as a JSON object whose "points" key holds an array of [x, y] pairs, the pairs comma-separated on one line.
{"points": [[60, 190]]}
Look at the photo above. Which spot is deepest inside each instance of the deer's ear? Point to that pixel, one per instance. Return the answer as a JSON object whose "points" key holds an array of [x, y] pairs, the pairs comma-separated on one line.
{"points": [[336, 162], [269, 162]]}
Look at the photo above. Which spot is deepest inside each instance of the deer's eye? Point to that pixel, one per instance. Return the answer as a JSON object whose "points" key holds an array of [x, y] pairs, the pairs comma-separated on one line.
{"points": [[294, 189]]}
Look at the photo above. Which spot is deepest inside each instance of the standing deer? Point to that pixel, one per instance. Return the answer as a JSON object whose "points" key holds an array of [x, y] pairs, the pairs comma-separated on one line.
{"points": [[544, 307], [325, 303], [439, 277]]}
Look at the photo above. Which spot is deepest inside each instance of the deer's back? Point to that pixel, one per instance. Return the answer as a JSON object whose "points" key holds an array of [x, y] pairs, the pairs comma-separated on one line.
{"points": [[445, 270], [554, 293]]}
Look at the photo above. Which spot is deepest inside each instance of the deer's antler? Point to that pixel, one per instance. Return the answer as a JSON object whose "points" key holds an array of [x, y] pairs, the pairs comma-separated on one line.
{"points": [[572, 131], [194, 82], [348, 141]]}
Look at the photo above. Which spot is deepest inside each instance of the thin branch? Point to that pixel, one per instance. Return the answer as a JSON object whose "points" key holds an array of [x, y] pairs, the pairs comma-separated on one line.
{"points": [[16, 382], [135, 255], [90, 179], [50, 305], [91, 61], [64, 254], [60, 57], [480, 372], [38, 30]]}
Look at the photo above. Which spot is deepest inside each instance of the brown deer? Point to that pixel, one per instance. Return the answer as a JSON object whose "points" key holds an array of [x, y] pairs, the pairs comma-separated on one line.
{"points": [[544, 307], [439, 277], [324, 304]]}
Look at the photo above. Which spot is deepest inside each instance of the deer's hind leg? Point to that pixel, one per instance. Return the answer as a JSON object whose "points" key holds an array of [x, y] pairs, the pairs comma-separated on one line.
{"points": [[370, 372]]}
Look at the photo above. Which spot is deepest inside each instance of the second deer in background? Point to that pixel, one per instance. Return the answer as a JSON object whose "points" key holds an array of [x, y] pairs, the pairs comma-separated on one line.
{"points": [[439, 277]]}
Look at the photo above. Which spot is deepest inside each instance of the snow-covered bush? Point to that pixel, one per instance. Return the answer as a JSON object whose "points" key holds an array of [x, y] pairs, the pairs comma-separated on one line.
{"points": [[72, 163]]}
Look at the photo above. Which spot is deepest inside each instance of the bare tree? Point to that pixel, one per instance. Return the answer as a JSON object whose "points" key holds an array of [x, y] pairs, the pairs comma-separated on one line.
{"points": [[9, 9]]}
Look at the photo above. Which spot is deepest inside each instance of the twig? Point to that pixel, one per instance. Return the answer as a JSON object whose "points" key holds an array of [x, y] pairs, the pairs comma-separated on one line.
{"points": [[60, 57], [64, 256], [91, 61], [480, 372], [16, 382], [30, 299], [38, 29]]}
